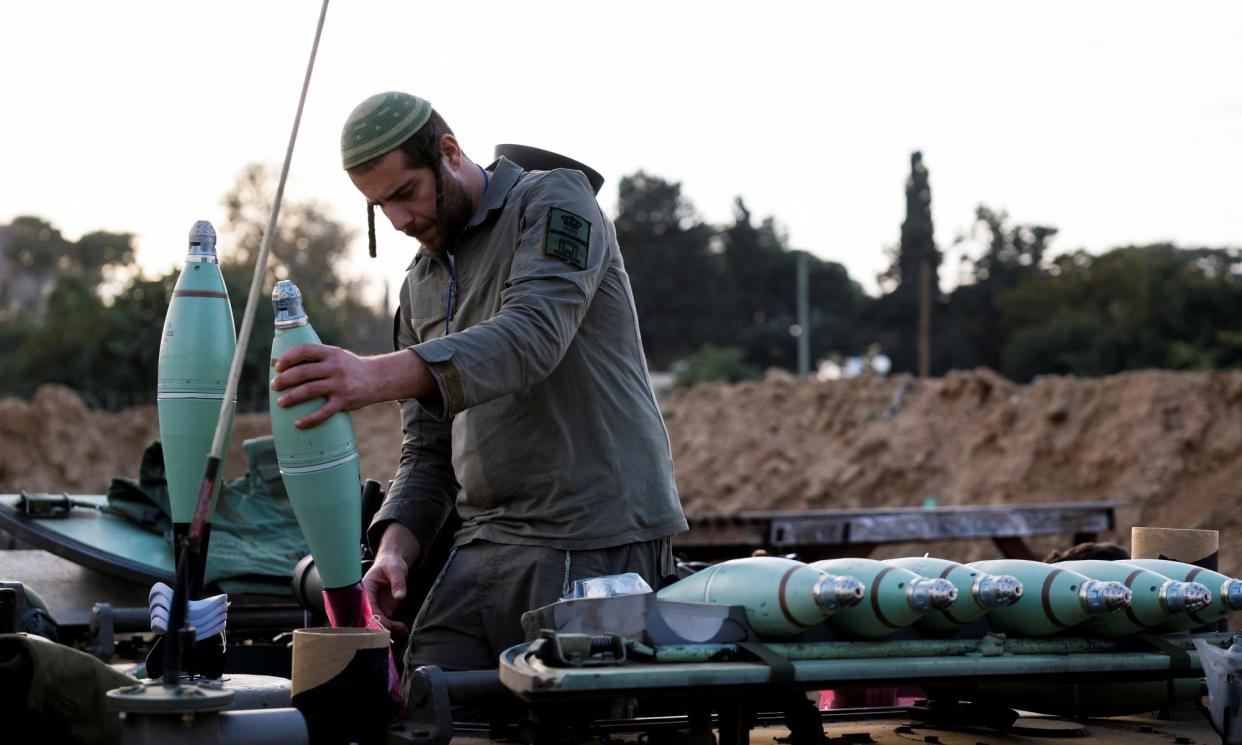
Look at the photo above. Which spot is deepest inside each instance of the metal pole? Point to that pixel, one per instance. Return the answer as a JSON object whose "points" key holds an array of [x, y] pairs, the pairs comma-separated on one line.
{"points": [[804, 319], [925, 291]]}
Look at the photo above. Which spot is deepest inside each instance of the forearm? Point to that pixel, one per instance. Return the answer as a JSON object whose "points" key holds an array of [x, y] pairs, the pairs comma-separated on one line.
{"points": [[399, 376], [401, 542]]}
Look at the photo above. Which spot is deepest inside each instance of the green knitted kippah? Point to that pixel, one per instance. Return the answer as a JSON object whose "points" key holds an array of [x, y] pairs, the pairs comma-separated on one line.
{"points": [[379, 124]]}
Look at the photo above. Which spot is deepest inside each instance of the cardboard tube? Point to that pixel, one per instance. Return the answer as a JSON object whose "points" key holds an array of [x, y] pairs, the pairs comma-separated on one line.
{"points": [[321, 654], [1198, 547]]}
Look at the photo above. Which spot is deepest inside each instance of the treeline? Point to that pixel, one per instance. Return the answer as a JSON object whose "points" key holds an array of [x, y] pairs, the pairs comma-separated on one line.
{"points": [[79, 313], [721, 300], [713, 301]]}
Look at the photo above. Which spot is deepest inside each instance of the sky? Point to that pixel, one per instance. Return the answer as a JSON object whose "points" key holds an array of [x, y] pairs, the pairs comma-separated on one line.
{"points": [[1116, 122]]}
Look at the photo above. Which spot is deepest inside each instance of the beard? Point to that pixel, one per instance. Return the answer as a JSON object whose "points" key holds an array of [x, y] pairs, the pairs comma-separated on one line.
{"points": [[453, 209]]}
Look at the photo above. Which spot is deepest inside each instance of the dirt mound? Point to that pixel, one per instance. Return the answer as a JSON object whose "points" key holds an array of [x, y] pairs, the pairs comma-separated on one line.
{"points": [[54, 443], [1168, 444]]}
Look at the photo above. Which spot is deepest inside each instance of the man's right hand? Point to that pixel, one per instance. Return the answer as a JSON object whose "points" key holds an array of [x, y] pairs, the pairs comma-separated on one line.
{"points": [[385, 580]]}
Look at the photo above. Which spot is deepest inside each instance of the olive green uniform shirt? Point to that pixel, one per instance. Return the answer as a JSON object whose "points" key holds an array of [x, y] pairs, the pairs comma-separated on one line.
{"points": [[545, 430]]}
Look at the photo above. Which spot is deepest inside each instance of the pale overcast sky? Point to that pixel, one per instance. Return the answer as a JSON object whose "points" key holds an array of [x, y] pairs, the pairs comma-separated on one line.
{"points": [[1118, 122]]}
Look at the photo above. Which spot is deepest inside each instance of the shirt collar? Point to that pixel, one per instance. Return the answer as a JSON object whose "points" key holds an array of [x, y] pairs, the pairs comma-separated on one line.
{"points": [[505, 175]]}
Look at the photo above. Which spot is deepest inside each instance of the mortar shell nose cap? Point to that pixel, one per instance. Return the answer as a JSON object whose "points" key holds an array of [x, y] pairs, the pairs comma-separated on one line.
{"points": [[202, 240], [1195, 596], [926, 594], [1231, 593], [998, 590], [833, 592], [1104, 597], [943, 593], [287, 301]]}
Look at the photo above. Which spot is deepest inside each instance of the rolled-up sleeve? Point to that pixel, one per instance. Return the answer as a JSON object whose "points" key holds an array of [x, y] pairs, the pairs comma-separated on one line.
{"points": [[558, 264]]}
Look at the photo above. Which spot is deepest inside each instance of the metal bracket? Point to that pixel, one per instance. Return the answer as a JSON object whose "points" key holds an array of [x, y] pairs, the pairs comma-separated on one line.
{"points": [[102, 630], [430, 721], [12, 607], [578, 650]]}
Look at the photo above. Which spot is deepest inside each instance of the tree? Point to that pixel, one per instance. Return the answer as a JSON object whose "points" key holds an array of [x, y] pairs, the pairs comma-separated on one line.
{"points": [[31, 252], [898, 311], [918, 243], [674, 274], [760, 284], [68, 347], [1011, 256], [1135, 307], [100, 255]]}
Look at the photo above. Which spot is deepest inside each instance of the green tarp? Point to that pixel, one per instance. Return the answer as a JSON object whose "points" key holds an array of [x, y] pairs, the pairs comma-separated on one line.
{"points": [[255, 539]]}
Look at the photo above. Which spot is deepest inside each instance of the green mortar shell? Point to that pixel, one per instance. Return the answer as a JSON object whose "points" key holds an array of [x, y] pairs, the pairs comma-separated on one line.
{"points": [[1145, 609], [319, 467], [196, 350], [1096, 699], [885, 608], [1050, 602], [296, 448], [777, 593], [329, 511], [966, 609], [187, 426], [1182, 572], [197, 345]]}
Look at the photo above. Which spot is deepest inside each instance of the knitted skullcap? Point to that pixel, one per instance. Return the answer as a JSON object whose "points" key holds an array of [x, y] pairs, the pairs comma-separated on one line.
{"points": [[379, 124]]}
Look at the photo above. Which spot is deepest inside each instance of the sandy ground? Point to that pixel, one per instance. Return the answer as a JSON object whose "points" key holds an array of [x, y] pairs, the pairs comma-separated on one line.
{"points": [[1168, 444]]}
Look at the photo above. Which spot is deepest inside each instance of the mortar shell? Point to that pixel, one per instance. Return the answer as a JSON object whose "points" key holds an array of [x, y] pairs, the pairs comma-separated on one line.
{"points": [[319, 467]]}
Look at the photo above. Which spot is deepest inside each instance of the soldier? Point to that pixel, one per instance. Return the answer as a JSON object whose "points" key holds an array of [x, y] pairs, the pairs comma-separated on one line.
{"points": [[524, 392]]}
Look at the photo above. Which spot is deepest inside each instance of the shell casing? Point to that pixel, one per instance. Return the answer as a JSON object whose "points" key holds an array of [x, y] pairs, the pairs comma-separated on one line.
{"points": [[1226, 592], [1051, 601], [320, 469], [888, 604], [196, 351], [781, 597], [980, 592]]}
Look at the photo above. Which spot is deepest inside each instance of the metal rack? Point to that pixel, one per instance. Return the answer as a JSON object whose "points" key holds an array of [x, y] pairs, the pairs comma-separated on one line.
{"points": [[829, 533]]}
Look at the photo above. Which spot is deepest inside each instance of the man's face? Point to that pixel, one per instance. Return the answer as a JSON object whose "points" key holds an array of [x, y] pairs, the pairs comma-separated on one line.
{"points": [[412, 202]]}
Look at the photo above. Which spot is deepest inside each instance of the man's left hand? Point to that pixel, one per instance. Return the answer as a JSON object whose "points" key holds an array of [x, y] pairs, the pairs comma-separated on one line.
{"points": [[310, 371], [347, 381]]}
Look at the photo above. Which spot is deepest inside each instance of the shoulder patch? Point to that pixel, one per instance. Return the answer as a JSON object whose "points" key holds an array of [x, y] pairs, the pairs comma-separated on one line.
{"points": [[567, 237]]}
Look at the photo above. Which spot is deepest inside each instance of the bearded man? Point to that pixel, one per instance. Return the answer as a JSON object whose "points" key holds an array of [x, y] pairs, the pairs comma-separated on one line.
{"points": [[525, 398]]}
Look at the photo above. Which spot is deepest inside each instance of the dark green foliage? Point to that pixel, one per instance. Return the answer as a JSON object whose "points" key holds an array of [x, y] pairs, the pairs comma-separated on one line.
{"points": [[712, 363], [57, 327], [968, 332], [32, 251], [1132, 308], [714, 302], [733, 287], [673, 273], [895, 319]]}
